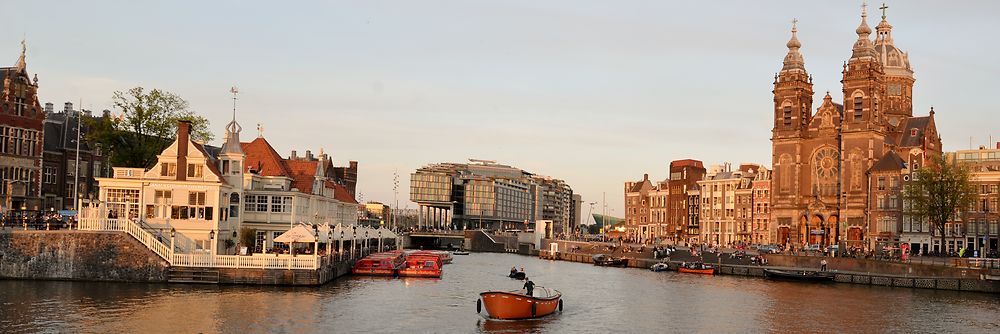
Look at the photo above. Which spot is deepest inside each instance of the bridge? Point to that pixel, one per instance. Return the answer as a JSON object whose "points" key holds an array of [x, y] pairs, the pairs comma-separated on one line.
{"points": [[435, 239]]}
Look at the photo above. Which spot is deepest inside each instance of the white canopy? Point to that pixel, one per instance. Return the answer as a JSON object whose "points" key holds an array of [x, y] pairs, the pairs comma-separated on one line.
{"points": [[299, 233]]}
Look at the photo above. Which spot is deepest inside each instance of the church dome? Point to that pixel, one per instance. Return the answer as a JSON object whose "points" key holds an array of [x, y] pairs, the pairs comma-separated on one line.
{"points": [[893, 60]]}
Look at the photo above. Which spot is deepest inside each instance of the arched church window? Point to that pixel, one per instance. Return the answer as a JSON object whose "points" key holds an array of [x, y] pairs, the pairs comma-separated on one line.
{"points": [[785, 165]]}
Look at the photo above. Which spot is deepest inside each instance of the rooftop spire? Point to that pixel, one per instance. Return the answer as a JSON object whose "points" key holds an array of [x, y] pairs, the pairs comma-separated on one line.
{"points": [[863, 47], [231, 143], [793, 60], [20, 60], [884, 29]]}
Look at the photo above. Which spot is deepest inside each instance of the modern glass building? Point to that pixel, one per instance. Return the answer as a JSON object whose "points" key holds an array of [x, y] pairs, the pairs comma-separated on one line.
{"points": [[484, 194]]}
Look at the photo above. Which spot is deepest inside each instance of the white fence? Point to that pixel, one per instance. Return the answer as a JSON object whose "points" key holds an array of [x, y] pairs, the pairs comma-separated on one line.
{"points": [[258, 261], [127, 226]]}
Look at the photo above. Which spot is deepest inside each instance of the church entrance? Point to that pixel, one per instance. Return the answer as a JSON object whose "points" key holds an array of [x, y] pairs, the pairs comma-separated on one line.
{"points": [[816, 231]]}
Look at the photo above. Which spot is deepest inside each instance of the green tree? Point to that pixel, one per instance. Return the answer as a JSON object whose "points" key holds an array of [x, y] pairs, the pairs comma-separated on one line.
{"points": [[145, 123], [938, 193]]}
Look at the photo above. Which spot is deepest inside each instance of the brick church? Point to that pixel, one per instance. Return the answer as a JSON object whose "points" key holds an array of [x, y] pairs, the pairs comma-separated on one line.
{"points": [[821, 191]]}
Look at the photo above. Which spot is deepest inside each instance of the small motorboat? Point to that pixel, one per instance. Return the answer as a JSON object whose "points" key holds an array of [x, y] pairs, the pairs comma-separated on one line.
{"points": [[517, 275], [800, 275], [460, 252], [609, 261], [510, 305], [696, 268], [659, 267]]}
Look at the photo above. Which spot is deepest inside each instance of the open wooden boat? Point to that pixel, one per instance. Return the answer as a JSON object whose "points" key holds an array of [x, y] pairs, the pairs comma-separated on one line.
{"points": [[518, 275], [800, 275], [696, 268], [509, 305], [609, 261]]}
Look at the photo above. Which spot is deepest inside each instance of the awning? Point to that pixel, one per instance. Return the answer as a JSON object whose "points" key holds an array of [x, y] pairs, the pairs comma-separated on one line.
{"points": [[299, 233]]}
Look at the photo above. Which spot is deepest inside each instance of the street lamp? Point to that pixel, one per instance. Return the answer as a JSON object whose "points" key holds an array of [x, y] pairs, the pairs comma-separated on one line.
{"points": [[341, 251], [211, 241]]}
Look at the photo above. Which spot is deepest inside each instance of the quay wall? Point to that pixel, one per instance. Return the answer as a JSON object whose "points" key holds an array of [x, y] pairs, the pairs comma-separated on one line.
{"points": [[871, 266], [971, 282], [78, 255]]}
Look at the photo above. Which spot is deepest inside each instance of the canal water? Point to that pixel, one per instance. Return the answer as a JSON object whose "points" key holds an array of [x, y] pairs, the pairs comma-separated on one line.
{"points": [[597, 300]]}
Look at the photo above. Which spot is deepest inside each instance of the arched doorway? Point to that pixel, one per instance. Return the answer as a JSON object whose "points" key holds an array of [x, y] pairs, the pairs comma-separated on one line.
{"points": [[816, 230], [832, 229], [784, 236]]}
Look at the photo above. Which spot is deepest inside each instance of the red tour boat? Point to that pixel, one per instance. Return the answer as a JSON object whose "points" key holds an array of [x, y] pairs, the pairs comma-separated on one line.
{"points": [[421, 265], [509, 305], [379, 264]]}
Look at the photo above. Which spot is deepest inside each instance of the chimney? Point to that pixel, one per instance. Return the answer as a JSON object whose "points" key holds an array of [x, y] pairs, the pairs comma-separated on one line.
{"points": [[183, 138], [48, 107], [294, 155], [309, 155], [998, 145], [68, 106]]}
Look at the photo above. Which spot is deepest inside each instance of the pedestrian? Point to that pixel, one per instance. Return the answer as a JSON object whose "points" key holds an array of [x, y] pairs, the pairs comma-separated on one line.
{"points": [[822, 265], [529, 287]]}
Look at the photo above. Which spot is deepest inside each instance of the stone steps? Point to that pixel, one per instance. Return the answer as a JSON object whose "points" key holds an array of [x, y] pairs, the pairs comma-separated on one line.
{"points": [[193, 275]]}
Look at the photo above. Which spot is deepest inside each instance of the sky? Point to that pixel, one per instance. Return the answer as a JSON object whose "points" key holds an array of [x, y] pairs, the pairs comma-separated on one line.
{"points": [[593, 92]]}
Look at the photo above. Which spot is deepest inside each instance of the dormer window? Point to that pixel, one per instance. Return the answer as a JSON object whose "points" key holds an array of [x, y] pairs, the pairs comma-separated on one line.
{"points": [[194, 170], [913, 132], [168, 169]]}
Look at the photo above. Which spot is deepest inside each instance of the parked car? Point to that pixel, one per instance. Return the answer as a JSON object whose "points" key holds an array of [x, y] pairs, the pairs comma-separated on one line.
{"points": [[812, 248], [833, 249], [768, 249]]}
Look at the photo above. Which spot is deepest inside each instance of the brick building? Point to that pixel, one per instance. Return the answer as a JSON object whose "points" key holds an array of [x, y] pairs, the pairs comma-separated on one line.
{"points": [[21, 131], [684, 175], [819, 190], [60, 159]]}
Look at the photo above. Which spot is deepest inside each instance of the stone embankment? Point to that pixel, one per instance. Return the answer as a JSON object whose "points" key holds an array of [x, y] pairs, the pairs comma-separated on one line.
{"points": [[78, 255], [848, 270], [118, 257]]}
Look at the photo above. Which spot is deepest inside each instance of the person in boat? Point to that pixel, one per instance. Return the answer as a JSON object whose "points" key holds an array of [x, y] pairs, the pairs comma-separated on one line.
{"points": [[529, 286], [513, 270], [522, 270]]}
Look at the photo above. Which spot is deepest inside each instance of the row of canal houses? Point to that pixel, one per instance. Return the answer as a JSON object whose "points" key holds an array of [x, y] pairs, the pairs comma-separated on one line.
{"points": [[205, 197]]}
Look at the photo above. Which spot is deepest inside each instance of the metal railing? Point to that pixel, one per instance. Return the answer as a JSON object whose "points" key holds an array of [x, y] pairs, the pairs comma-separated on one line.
{"points": [[127, 226]]}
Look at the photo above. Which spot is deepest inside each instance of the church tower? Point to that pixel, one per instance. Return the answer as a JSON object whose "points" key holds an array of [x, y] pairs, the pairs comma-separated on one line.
{"points": [[898, 101], [864, 83], [793, 93], [231, 158]]}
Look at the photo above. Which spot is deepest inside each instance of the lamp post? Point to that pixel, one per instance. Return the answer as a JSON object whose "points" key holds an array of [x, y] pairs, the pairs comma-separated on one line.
{"points": [[367, 246], [211, 242], [341, 251], [173, 233], [380, 240], [354, 241]]}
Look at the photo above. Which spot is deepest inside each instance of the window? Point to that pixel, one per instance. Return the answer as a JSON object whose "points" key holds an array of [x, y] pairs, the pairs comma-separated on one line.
{"points": [[98, 172], [196, 206], [234, 205], [225, 167], [194, 170], [281, 204], [858, 108], [123, 203], [235, 167], [787, 115], [881, 183], [71, 168], [161, 204], [50, 175], [168, 169], [259, 241]]}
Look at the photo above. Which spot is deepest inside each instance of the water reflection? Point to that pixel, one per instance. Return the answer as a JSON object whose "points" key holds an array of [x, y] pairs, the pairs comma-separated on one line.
{"points": [[596, 299]]}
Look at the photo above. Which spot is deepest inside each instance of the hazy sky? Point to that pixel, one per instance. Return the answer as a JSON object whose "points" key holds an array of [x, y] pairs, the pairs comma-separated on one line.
{"points": [[593, 92]]}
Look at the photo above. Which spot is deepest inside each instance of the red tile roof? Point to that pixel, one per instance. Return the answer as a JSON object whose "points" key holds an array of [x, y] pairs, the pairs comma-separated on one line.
{"points": [[341, 193], [261, 157], [303, 173]]}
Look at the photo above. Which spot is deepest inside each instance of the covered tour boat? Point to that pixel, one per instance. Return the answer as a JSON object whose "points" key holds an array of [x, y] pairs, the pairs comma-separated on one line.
{"points": [[609, 261], [510, 305], [800, 275], [443, 256], [696, 268], [379, 264], [421, 265]]}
